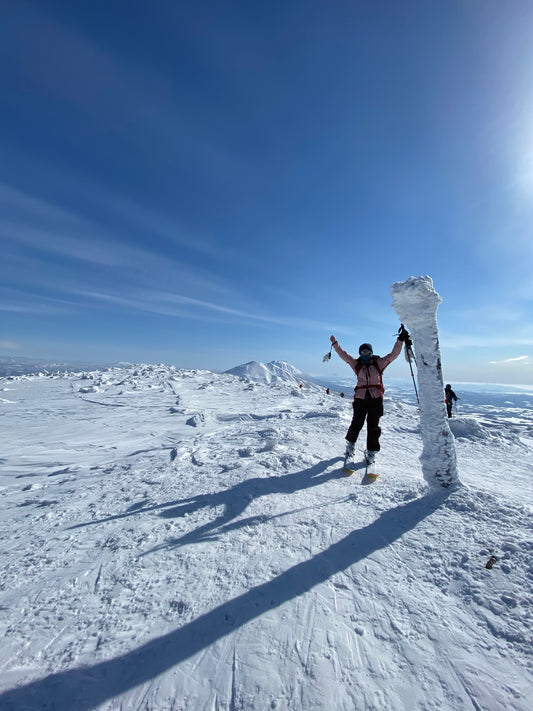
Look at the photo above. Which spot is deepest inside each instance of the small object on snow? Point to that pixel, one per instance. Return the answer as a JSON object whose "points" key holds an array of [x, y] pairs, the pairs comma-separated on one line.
{"points": [[491, 562], [196, 420]]}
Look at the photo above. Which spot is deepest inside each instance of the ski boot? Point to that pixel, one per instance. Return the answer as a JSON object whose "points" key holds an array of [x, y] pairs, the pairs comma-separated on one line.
{"points": [[370, 459], [349, 464], [370, 456]]}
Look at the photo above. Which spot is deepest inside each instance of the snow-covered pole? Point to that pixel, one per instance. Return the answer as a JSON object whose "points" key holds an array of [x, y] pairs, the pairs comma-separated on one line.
{"points": [[416, 303]]}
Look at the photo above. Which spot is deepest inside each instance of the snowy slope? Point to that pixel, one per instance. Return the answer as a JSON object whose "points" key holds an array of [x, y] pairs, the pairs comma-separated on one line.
{"points": [[184, 540]]}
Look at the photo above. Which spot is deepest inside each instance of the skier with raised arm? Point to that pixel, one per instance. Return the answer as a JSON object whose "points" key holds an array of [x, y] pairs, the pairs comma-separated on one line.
{"points": [[368, 398]]}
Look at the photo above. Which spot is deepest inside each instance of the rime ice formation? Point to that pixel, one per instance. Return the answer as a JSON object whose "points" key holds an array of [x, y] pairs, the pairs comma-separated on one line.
{"points": [[416, 301]]}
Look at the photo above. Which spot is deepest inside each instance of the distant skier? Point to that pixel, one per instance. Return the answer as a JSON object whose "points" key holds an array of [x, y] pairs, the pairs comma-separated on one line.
{"points": [[368, 398], [450, 397]]}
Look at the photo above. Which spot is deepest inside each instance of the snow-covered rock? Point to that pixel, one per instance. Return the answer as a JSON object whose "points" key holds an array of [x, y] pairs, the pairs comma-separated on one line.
{"points": [[468, 428]]}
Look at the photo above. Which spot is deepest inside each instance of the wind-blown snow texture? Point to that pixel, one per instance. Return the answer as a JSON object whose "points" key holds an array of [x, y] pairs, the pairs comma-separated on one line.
{"points": [[416, 301], [184, 540]]}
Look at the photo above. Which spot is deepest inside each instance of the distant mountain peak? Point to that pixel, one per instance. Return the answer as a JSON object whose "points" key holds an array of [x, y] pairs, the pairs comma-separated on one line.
{"points": [[286, 367], [274, 372]]}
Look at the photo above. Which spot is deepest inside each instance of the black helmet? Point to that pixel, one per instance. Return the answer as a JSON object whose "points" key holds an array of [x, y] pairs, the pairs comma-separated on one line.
{"points": [[365, 347]]}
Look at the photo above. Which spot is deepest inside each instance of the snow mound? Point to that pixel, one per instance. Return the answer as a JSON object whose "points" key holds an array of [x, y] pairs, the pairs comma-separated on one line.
{"points": [[274, 372], [467, 428]]}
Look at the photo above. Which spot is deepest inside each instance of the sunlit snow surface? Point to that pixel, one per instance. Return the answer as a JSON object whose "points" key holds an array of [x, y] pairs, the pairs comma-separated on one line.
{"points": [[185, 540]]}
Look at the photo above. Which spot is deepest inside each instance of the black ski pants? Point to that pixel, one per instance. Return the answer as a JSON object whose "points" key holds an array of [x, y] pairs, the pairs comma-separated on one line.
{"points": [[371, 409]]}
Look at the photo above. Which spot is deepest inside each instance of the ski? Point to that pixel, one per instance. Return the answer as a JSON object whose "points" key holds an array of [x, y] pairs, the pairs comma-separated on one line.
{"points": [[350, 467], [370, 477]]}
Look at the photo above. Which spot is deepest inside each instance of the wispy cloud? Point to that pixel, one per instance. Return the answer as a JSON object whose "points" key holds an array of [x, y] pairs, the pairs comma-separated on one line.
{"points": [[58, 251], [34, 308], [49, 228], [523, 360], [456, 340], [36, 232], [10, 346], [20, 302], [506, 323], [179, 305]]}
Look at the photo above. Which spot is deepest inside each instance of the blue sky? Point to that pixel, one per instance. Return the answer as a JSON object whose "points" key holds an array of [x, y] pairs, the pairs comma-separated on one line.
{"points": [[207, 183]]}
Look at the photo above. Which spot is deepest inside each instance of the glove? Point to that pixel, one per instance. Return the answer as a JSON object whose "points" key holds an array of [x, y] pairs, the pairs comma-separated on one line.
{"points": [[403, 335]]}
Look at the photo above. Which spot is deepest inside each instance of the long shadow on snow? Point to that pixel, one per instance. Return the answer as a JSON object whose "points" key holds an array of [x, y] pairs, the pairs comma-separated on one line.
{"points": [[213, 531], [234, 500], [237, 499], [88, 687]]}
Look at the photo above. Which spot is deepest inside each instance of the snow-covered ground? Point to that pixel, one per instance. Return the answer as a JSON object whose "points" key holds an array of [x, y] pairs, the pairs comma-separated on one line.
{"points": [[185, 540]]}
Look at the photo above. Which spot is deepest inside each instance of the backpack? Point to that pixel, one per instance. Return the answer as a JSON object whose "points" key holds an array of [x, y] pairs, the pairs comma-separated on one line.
{"points": [[373, 361]]}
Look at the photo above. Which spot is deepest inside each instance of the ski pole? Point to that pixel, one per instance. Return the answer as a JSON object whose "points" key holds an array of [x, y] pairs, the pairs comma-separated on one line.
{"points": [[410, 355]]}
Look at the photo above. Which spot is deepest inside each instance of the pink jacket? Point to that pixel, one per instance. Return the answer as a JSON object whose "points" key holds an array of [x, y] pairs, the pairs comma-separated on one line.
{"points": [[368, 377]]}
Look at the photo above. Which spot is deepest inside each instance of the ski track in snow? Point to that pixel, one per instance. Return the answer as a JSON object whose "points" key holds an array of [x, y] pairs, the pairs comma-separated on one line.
{"points": [[185, 540]]}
